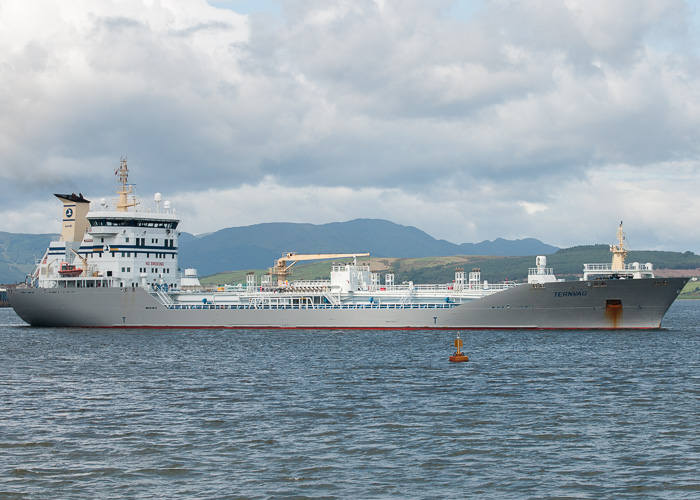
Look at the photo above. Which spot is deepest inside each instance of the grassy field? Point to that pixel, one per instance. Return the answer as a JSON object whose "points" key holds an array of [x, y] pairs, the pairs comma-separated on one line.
{"points": [[691, 291]]}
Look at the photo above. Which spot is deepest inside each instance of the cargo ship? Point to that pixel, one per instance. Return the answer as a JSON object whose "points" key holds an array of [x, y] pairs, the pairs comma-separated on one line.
{"points": [[117, 267]]}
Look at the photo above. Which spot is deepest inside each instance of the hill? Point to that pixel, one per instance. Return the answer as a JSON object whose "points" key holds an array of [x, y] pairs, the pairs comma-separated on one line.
{"points": [[411, 253], [257, 246], [18, 252], [567, 263]]}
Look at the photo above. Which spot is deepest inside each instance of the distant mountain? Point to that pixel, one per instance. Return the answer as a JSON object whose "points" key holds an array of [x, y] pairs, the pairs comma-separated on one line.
{"points": [[257, 246], [17, 252], [507, 248], [186, 238]]}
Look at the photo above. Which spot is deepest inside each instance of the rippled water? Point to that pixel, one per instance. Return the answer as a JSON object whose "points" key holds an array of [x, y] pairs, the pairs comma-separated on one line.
{"points": [[163, 413]]}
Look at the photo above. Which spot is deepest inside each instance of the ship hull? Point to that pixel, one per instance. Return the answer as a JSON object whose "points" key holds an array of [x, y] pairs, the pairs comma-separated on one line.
{"points": [[614, 304]]}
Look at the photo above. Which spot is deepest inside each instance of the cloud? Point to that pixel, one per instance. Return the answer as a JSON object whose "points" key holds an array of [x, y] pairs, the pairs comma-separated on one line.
{"points": [[576, 212], [532, 208], [468, 126]]}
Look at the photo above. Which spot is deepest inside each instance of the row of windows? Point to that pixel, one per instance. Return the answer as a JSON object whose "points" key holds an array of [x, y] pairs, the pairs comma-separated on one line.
{"points": [[148, 254], [154, 270], [160, 224], [141, 242]]}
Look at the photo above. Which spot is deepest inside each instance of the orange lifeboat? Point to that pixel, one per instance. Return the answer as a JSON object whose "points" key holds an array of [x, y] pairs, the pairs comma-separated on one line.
{"points": [[458, 356], [69, 270]]}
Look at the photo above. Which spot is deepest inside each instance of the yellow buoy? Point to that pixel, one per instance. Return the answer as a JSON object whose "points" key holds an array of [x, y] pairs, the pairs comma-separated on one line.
{"points": [[458, 356]]}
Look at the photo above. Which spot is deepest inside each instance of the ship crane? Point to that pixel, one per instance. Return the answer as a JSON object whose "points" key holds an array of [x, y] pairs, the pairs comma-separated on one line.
{"points": [[83, 260], [283, 265]]}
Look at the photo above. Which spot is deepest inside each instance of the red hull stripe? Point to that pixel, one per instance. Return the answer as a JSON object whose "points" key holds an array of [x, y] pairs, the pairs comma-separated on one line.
{"points": [[407, 328]]}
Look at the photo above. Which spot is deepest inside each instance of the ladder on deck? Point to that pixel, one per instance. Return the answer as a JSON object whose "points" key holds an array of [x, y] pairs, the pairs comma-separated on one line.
{"points": [[332, 299], [407, 298], [164, 297]]}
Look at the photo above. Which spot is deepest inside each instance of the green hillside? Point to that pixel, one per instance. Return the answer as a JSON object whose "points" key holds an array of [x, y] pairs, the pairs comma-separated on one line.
{"points": [[17, 254], [257, 246], [567, 263], [691, 291]]}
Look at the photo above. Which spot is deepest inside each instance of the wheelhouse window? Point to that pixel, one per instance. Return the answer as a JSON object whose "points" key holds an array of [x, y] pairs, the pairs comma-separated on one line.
{"points": [[158, 224]]}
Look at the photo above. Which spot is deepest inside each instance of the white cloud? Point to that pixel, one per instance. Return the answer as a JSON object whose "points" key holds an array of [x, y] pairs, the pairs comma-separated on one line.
{"points": [[519, 119], [532, 208]]}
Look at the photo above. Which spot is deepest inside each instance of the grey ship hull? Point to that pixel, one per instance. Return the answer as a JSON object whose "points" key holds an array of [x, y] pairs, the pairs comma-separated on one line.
{"points": [[639, 303]]}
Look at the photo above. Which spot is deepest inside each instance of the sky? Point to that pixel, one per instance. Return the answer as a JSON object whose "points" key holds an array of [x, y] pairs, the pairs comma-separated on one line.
{"points": [[470, 120]]}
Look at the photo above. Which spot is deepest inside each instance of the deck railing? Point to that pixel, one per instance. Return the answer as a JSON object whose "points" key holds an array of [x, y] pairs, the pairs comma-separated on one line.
{"points": [[635, 266]]}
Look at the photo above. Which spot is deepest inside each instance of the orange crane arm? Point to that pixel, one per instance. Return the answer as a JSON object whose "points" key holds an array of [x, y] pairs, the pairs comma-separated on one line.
{"points": [[291, 256], [281, 268]]}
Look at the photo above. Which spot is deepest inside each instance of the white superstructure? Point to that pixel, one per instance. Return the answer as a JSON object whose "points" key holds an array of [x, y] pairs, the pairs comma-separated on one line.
{"points": [[121, 247], [618, 269], [541, 274]]}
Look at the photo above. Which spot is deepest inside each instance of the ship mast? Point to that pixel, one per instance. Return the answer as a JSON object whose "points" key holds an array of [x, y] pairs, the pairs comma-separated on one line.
{"points": [[619, 251], [124, 190]]}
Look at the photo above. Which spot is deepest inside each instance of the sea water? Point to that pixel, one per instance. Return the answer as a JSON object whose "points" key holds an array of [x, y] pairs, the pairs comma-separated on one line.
{"points": [[336, 414]]}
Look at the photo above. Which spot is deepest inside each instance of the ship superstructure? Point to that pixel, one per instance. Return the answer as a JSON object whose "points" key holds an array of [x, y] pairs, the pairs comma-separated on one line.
{"points": [[118, 267], [618, 269], [105, 247]]}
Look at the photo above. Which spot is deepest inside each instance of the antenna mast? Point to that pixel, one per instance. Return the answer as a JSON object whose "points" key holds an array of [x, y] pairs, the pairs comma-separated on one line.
{"points": [[124, 189], [619, 251]]}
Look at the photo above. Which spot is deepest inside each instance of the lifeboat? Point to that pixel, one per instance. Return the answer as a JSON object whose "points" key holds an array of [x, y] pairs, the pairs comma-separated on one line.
{"points": [[69, 270]]}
